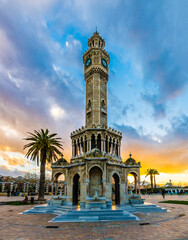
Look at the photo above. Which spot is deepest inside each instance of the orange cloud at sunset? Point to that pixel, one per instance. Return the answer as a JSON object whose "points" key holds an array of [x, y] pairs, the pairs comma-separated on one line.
{"points": [[165, 157]]}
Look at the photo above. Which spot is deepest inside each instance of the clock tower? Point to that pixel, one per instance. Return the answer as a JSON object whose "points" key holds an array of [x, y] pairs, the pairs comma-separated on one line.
{"points": [[95, 133], [96, 174], [96, 61]]}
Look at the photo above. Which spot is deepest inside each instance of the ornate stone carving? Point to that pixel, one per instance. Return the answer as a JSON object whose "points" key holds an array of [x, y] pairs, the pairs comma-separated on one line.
{"points": [[60, 162], [95, 152], [131, 161]]}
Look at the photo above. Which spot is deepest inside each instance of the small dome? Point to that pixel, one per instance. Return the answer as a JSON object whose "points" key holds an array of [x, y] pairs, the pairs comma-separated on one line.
{"points": [[61, 161], [130, 161]]}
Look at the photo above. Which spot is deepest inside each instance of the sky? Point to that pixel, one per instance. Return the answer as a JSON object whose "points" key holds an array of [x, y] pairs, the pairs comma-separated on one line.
{"points": [[42, 82]]}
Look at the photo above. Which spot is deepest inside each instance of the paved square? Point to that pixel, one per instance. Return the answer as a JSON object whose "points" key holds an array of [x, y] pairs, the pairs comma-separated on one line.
{"points": [[170, 225]]}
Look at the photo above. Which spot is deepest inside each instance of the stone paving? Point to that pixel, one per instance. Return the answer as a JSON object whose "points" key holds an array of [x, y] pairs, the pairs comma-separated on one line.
{"points": [[170, 225]]}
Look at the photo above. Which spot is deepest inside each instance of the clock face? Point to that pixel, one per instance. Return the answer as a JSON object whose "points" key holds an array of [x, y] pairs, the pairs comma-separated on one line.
{"points": [[104, 63], [88, 62]]}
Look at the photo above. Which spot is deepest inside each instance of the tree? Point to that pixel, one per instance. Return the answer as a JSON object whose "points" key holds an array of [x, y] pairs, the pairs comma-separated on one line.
{"points": [[155, 172], [150, 173], [43, 147]]}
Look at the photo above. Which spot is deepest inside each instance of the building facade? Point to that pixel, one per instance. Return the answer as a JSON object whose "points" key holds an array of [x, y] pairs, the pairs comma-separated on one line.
{"points": [[96, 168]]}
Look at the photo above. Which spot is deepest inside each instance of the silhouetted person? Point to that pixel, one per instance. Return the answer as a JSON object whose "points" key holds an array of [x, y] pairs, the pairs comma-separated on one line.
{"points": [[163, 193], [25, 200], [8, 193]]}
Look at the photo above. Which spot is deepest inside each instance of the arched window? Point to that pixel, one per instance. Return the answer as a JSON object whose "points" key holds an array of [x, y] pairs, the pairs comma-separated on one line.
{"points": [[89, 104], [92, 141], [99, 43], [99, 141], [113, 147], [110, 146], [78, 146], [117, 154], [102, 103], [85, 144], [107, 144], [75, 148], [82, 146]]}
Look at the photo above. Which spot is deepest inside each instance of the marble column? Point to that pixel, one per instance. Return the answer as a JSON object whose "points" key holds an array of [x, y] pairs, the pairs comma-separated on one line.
{"points": [[107, 144], [139, 187], [36, 187], [65, 188], [24, 187], [136, 182], [118, 150], [11, 186], [47, 187], [60, 194], [80, 147], [102, 145], [76, 147], [72, 150], [87, 187], [3, 186], [56, 189], [126, 187], [89, 140], [104, 187], [52, 188], [27, 187]]}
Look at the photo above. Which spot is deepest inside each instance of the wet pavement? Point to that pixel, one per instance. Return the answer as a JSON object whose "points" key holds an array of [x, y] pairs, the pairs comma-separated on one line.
{"points": [[170, 225]]}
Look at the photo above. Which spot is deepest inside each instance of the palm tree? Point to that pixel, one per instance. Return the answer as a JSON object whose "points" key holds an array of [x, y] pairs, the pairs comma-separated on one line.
{"points": [[150, 173], [43, 147], [155, 172]]}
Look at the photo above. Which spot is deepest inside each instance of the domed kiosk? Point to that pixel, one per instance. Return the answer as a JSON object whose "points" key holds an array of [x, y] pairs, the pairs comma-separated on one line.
{"points": [[96, 173]]}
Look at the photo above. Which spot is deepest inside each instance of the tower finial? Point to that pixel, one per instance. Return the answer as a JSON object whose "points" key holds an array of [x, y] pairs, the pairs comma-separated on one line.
{"points": [[130, 155], [96, 29]]}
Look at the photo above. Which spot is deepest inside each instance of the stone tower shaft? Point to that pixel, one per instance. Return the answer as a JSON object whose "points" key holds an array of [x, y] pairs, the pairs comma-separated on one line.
{"points": [[95, 133], [96, 61]]}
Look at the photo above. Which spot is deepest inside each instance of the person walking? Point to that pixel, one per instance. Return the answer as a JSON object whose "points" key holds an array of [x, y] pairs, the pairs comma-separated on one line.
{"points": [[8, 193], [163, 193]]}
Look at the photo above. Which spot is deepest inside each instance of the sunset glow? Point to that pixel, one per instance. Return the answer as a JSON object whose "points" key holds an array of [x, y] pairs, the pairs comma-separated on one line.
{"points": [[42, 83]]}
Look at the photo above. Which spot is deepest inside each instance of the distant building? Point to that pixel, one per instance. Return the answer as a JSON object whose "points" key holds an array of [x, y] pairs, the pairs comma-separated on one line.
{"points": [[19, 178], [169, 184]]}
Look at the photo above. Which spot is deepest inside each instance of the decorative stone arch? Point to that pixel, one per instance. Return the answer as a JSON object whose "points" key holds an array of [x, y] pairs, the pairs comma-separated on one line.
{"points": [[115, 181], [115, 172], [95, 181], [73, 174], [133, 172], [75, 188], [57, 174], [96, 165], [136, 176]]}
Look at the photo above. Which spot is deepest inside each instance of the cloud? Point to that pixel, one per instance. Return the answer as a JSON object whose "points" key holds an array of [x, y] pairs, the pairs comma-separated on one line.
{"points": [[179, 127], [13, 159], [6, 171], [127, 107], [41, 71], [159, 108]]}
